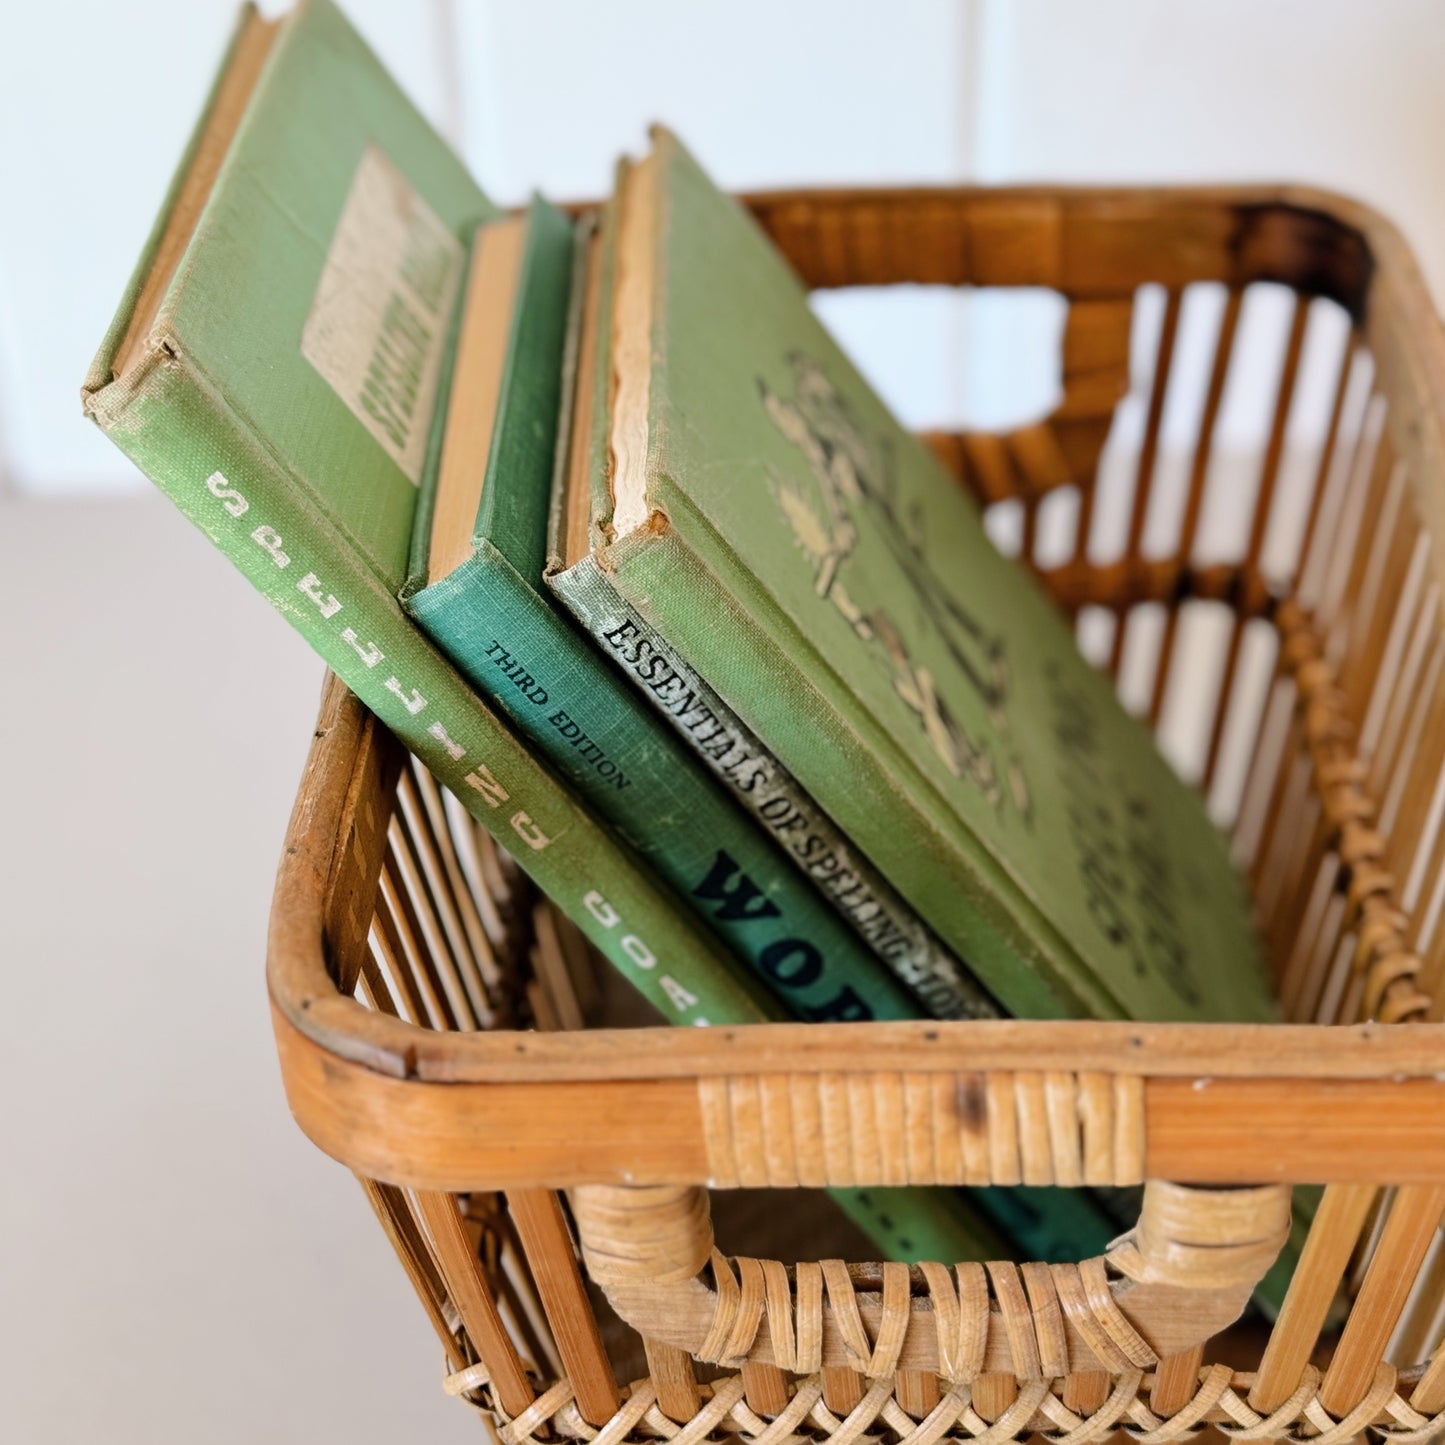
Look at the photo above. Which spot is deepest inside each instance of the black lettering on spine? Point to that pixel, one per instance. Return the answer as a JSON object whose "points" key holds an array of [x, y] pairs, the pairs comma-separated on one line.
{"points": [[792, 962], [740, 898]]}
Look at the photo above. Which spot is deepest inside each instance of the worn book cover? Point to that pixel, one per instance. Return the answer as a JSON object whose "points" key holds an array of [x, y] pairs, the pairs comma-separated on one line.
{"points": [[711, 732], [774, 525], [1045, 1223], [274, 366]]}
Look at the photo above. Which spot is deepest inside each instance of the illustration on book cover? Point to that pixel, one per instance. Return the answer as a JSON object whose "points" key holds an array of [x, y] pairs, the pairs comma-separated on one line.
{"points": [[850, 477]]}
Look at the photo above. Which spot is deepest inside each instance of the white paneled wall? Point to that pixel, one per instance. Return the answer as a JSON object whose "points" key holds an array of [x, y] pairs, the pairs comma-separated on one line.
{"points": [[96, 101], [1331, 93]]}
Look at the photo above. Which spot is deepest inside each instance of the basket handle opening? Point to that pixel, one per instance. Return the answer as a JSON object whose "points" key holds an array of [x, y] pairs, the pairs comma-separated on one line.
{"points": [[1182, 1274]]}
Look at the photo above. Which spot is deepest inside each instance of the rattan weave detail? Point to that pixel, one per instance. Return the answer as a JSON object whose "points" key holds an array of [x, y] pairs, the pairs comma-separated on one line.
{"points": [[1219, 1401], [784, 1130]]}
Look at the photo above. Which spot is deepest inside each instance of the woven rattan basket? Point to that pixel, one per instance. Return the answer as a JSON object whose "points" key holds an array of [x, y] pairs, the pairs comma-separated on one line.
{"points": [[1279, 610]]}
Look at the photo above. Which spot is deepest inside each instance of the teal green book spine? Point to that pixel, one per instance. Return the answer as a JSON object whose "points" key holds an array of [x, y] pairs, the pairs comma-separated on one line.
{"points": [[549, 681]]}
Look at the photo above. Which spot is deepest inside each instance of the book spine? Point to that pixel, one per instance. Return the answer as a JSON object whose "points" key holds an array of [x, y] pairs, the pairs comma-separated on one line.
{"points": [[788, 700], [182, 435], [518, 650], [1046, 1223], [738, 759]]}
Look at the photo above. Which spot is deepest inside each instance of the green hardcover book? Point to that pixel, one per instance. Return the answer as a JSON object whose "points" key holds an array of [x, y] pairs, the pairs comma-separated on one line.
{"points": [[1043, 1223], [936, 980], [476, 588], [273, 367], [772, 524]]}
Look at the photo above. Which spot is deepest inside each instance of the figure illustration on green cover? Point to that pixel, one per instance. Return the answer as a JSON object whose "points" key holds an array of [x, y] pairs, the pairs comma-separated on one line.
{"points": [[850, 473]]}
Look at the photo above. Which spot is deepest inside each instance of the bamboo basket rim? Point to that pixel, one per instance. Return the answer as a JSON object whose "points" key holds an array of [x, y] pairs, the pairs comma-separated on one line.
{"points": [[305, 999]]}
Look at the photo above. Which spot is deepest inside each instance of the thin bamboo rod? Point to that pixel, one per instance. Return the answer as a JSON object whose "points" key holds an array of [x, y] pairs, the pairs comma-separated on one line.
{"points": [[1428, 1396], [993, 1393], [435, 946], [1324, 471], [1333, 1234], [1263, 512], [917, 1392], [1268, 767], [472, 1298], [415, 951], [1086, 1390], [1198, 475], [1383, 727], [842, 1389], [547, 1243], [423, 1002], [1414, 1217], [1176, 1378], [765, 1388], [437, 876], [1355, 455], [1148, 453], [1352, 544], [398, 1224], [1420, 1324], [674, 1376]]}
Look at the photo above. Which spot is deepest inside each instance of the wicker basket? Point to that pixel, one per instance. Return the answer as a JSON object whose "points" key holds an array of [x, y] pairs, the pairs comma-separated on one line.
{"points": [[419, 984]]}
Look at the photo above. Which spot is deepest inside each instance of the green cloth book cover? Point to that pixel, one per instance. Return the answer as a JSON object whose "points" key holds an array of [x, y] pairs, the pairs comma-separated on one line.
{"points": [[790, 542], [282, 392], [273, 367]]}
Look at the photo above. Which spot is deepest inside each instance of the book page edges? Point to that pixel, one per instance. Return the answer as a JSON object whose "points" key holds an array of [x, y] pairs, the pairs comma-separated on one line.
{"points": [[576, 374], [471, 400], [574, 490], [631, 353]]}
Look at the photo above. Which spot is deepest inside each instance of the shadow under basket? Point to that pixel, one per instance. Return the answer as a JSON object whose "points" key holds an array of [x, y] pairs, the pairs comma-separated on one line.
{"points": [[1238, 499]]}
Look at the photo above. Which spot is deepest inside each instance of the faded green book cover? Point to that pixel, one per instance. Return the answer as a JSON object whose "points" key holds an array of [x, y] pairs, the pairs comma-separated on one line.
{"points": [[282, 395], [1041, 1223], [809, 558]]}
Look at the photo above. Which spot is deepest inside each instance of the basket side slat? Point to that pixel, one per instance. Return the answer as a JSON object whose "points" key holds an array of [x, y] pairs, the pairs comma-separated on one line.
{"points": [[537, 1214], [1414, 1218], [1143, 474], [1264, 506], [1333, 1236]]}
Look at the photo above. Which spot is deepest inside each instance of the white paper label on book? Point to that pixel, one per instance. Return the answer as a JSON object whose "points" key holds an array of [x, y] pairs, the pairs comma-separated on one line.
{"points": [[378, 322]]}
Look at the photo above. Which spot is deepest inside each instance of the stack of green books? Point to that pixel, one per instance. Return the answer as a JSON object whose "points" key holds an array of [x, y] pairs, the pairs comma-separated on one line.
{"points": [[598, 519]]}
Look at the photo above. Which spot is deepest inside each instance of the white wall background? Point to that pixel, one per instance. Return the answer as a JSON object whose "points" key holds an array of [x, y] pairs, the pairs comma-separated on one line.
{"points": [[175, 1261], [96, 100]]}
